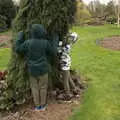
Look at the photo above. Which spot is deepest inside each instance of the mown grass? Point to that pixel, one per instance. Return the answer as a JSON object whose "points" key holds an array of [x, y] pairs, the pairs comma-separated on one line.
{"points": [[102, 68], [4, 58], [4, 53]]}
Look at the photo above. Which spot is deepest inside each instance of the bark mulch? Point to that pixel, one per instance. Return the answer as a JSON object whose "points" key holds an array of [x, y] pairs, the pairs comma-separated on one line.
{"points": [[54, 111], [112, 43]]}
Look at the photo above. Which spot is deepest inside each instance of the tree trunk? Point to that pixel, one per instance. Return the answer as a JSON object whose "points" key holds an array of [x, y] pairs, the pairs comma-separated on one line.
{"points": [[118, 14], [57, 17]]}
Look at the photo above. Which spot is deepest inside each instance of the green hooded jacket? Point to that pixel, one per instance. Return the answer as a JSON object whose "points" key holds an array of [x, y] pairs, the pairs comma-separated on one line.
{"points": [[37, 49]]}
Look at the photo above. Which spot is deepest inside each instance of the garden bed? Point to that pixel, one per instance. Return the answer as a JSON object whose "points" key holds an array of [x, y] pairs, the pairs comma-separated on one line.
{"points": [[5, 40], [112, 43], [55, 111]]}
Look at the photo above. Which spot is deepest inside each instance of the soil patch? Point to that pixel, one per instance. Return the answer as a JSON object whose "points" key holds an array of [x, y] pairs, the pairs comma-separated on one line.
{"points": [[55, 111], [5, 41], [112, 43]]}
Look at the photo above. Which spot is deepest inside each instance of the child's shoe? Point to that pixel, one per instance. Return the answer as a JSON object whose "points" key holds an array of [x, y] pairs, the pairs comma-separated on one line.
{"points": [[40, 108]]}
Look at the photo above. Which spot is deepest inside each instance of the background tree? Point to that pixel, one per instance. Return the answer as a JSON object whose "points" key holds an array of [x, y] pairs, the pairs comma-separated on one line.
{"points": [[96, 8], [118, 13], [3, 25], [110, 13], [103, 12], [82, 15], [57, 17], [110, 8], [8, 10]]}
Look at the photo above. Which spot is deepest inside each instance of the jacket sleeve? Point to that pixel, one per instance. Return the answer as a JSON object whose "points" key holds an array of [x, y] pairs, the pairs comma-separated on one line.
{"points": [[21, 44]]}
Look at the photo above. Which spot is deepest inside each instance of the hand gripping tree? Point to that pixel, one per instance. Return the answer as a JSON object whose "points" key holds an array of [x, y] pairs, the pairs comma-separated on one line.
{"points": [[57, 17]]}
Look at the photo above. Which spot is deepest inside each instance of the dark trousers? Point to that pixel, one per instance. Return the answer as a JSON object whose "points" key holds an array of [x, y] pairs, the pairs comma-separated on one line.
{"points": [[39, 86]]}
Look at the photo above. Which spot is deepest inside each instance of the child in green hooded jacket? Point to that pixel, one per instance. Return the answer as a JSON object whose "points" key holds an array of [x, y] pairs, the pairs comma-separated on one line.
{"points": [[37, 49]]}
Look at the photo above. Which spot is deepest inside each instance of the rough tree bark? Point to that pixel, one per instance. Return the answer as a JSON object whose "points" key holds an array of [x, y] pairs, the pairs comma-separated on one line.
{"points": [[57, 17]]}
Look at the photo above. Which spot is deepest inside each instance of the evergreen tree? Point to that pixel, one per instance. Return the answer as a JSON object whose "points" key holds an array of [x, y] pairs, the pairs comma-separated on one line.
{"points": [[57, 17], [3, 25], [8, 10], [82, 13]]}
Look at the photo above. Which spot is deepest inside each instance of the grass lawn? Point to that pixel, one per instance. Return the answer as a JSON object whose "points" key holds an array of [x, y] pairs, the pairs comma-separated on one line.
{"points": [[4, 58], [4, 53], [102, 68]]}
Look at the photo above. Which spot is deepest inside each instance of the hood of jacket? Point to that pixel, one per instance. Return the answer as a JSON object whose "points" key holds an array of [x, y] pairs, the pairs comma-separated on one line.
{"points": [[38, 31]]}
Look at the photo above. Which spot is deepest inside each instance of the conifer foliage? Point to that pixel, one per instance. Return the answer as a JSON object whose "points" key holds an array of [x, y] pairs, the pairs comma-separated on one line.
{"points": [[8, 11]]}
